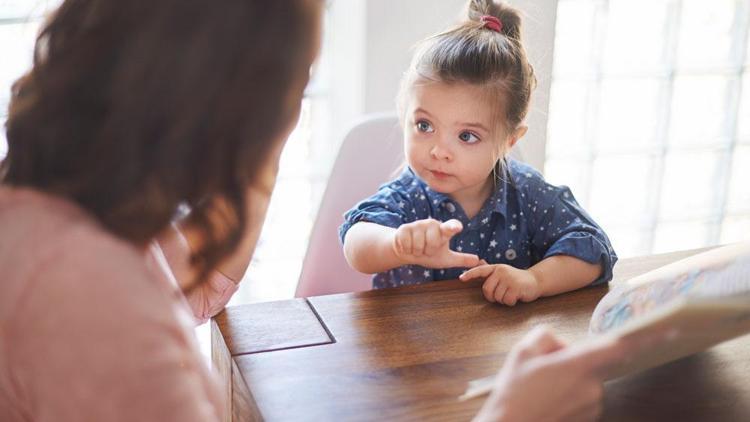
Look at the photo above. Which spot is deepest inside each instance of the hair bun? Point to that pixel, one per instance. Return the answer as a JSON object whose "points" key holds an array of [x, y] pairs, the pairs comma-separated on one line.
{"points": [[509, 18]]}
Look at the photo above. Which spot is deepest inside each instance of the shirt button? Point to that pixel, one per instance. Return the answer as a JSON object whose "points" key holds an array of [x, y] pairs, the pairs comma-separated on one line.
{"points": [[450, 207], [510, 254]]}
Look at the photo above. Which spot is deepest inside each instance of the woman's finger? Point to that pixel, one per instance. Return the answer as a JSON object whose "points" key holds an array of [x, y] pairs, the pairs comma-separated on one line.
{"points": [[599, 356], [539, 341], [587, 405]]}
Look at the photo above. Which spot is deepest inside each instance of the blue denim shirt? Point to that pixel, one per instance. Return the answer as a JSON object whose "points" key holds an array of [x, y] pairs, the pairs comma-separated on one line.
{"points": [[524, 221]]}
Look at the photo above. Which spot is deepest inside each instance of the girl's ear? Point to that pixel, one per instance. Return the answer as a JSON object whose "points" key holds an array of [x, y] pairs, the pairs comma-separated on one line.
{"points": [[516, 135]]}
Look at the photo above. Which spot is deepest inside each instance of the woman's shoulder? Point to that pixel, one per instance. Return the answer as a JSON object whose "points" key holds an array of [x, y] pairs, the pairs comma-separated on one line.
{"points": [[51, 250], [79, 302], [48, 227]]}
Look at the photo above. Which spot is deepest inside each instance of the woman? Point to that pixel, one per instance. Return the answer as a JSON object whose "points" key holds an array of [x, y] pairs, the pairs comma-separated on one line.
{"points": [[133, 112]]}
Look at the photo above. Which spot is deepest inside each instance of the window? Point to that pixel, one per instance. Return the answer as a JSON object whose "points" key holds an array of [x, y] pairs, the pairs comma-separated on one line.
{"points": [[303, 172], [650, 119], [19, 24]]}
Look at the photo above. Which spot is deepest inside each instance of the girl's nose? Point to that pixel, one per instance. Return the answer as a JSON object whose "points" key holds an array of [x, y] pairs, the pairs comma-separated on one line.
{"points": [[440, 152]]}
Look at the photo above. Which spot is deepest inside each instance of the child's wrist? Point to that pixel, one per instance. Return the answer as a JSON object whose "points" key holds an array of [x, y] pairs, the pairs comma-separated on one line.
{"points": [[538, 280]]}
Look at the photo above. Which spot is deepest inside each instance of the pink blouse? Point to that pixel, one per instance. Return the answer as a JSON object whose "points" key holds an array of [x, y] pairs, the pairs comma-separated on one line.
{"points": [[92, 328]]}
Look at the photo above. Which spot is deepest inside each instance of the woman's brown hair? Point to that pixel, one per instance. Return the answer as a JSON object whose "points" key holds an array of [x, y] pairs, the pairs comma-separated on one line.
{"points": [[135, 108]]}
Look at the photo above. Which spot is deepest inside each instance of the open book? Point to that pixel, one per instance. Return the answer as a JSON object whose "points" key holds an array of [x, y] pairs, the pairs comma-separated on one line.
{"points": [[671, 312]]}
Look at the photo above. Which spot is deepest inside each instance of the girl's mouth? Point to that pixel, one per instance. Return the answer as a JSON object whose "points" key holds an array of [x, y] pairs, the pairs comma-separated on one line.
{"points": [[439, 174]]}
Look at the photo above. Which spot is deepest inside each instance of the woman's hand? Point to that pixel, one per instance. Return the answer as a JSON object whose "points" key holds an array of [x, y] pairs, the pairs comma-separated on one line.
{"points": [[504, 283], [543, 379], [427, 243]]}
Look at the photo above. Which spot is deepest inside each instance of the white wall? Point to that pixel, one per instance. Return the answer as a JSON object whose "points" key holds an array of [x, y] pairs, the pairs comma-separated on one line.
{"points": [[391, 27]]}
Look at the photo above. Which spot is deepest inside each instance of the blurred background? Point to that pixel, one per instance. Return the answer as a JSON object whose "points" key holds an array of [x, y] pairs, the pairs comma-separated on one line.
{"points": [[643, 109]]}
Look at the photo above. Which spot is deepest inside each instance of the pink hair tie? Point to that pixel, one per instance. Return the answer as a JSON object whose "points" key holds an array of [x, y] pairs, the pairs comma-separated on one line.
{"points": [[492, 23]]}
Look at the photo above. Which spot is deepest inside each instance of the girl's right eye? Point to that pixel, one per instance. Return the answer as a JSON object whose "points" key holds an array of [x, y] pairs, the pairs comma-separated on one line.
{"points": [[424, 126]]}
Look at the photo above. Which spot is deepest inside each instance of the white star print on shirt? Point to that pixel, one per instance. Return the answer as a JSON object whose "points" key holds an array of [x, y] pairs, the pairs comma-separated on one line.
{"points": [[530, 197]]}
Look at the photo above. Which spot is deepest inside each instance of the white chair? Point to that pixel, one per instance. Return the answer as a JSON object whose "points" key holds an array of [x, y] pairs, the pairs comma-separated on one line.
{"points": [[370, 154]]}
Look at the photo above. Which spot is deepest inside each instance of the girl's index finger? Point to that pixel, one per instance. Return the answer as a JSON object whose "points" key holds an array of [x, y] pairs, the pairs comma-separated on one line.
{"points": [[482, 271], [457, 259]]}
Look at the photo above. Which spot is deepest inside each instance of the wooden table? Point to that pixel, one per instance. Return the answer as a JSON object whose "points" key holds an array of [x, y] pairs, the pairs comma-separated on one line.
{"points": [[408, 353]]}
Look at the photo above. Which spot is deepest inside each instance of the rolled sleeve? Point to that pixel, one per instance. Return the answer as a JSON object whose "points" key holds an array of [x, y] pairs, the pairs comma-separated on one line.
{"points": [[565, 228], [587, 247], [386, 208]]}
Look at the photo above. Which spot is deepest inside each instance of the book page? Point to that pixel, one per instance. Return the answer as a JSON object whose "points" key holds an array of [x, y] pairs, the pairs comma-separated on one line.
{"points": [[679, 309]]}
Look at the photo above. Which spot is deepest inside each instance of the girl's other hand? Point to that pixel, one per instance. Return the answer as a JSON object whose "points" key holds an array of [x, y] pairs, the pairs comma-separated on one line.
{"points": [[504, 283], [427, 243]]}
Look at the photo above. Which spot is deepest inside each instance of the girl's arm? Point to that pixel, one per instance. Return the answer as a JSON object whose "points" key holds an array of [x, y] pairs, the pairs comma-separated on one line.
{"points": [[375, 248], [550, 276], [561, 273], [562, 228], [368, 248]]}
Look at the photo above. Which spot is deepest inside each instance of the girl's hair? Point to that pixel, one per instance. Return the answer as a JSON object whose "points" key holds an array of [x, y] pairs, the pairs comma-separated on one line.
{"points": [[479, 53], [135, 108]]}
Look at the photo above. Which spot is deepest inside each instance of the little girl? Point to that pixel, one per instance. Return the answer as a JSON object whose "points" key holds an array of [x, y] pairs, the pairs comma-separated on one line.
{"points": [[461, 203]]}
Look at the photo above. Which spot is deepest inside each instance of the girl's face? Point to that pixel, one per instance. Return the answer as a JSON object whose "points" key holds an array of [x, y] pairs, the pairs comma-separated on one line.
{"points": [[452, 140]]}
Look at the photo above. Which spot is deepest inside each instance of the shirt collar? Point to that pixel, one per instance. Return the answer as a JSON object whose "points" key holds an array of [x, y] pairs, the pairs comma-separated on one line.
{"points": [[498, 200], [500, 196]]}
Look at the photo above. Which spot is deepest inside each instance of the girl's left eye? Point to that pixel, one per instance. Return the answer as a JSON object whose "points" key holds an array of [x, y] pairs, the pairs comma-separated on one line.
{"points": [[468, 137]]}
